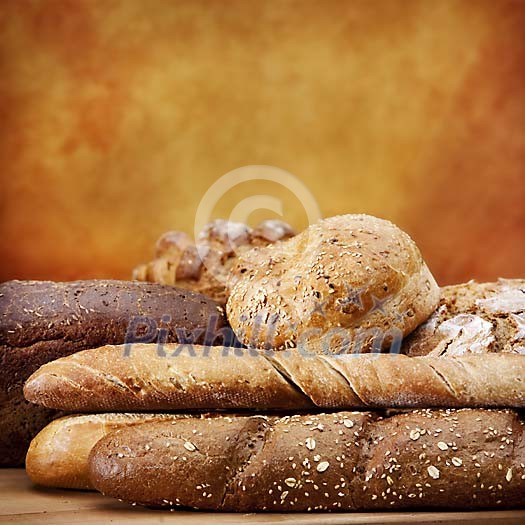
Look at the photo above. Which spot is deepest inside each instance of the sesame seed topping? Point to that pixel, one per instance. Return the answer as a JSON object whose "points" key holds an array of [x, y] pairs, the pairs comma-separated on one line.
{"points": [[310, 443], [322, 466], [433, 472], [414, 435], [457, 462], [442, 445], [188, 445]]}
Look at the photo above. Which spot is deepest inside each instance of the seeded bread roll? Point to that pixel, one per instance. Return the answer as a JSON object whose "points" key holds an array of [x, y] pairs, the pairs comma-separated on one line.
{"points": [[206, 265], [203, 378], [41, 321], [356, 280], [343, 461], [474, 318], [58, 454]]}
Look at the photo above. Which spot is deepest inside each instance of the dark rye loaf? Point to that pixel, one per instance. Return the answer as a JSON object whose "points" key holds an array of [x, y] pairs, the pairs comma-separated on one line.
{"points": [[433, 459], [42, 321]]}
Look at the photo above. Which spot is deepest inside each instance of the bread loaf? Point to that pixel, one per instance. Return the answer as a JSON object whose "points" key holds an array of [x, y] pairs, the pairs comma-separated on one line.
{"points": [[474, 318], [432, 459], [203, 378], [356, 280], [58, 454], [41, 321], [206, 265]]}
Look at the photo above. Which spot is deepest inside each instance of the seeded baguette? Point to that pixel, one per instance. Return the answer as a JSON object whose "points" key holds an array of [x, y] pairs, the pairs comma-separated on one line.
{"points": [[58, 454], [344, 461], [41, 321], [200, 378]]}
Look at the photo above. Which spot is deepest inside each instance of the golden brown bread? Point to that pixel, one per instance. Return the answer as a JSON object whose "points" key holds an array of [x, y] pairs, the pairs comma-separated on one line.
{"points": [[206, 265], [356, 280], [432, 459], [204, 378], [58, 454], [474, 318]]}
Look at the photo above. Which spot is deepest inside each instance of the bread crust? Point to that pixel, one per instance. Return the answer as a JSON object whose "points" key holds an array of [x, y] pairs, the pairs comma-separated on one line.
{"points": [[58, 454], [41, 321], [201, 378], [357, 279], [474, 318], [206, 264], [343, 461]]}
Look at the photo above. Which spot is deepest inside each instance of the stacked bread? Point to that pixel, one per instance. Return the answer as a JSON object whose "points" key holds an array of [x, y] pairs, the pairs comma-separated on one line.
{"points": [[42, 321], [356, 384], [206, 264]]}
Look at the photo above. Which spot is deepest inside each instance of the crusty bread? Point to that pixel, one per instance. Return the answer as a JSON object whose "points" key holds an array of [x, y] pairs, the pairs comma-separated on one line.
{"points": [[205, 265], [203, 378], [474, 318], [453, 459], [41, 321], [58, 454], [354, 279]]}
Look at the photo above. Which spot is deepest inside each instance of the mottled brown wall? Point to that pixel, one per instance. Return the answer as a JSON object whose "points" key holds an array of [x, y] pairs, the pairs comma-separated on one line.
{"points": [[117, 115]]}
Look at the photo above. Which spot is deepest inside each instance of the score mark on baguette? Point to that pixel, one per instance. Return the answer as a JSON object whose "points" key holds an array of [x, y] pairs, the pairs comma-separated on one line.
{"points": [[104, 379]]}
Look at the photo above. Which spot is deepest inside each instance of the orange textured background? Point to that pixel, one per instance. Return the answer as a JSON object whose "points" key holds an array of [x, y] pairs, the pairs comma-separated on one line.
{"points": [[117, 116]]}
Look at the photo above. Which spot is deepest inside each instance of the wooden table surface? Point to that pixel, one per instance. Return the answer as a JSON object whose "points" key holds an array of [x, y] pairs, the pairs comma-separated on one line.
{"points": [[21, 502]]}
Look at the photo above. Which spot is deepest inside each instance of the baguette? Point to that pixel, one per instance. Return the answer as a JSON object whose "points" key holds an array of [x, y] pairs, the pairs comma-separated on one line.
{"points": [[41, 321], [58, 454], [432, 459], [203, 378]]}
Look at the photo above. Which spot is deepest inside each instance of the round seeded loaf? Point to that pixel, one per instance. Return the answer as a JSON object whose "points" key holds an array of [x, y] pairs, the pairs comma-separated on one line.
{"points": [[354, 282]]}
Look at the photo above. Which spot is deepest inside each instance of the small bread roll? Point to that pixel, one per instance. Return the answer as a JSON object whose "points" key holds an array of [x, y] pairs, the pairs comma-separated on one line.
{"points": [[350, 283], [205, 266]]}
